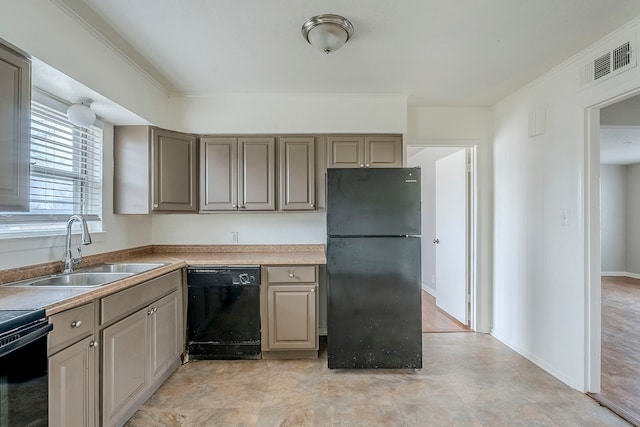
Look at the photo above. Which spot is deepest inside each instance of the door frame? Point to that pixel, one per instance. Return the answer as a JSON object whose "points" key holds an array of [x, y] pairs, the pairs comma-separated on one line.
{"points": [[592, 256], [471, 147]]}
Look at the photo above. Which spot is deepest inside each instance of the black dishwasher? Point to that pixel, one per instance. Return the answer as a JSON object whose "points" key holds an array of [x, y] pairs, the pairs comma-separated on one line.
{"points": [[224, 312]]}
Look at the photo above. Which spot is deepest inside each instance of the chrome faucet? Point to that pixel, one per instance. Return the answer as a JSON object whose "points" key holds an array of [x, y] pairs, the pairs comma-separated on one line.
{"points": [[69, 260]]}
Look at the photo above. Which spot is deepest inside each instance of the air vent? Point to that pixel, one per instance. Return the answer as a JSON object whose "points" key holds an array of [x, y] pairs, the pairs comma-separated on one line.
{"points": [[602, 66], [618, 59], [621, 56]]}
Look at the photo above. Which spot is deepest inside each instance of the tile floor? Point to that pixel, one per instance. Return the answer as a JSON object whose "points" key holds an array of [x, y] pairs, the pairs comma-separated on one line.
{"points": [[468, 379]]}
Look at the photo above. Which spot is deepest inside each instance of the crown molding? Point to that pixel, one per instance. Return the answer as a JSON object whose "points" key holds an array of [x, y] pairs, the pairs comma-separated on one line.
{"points": [[97, 27]]}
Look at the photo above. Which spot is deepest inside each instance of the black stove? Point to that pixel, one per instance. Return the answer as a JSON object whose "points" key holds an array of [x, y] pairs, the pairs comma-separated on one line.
{"points": [[12, 319]]}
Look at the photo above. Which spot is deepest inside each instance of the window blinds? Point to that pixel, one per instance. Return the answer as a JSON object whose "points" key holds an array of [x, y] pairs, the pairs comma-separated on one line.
{"points": [[65, 177]]}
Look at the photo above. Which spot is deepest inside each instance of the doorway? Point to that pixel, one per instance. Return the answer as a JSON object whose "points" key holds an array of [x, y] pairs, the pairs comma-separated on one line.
{"points": [[618, 144], [447, 298]]}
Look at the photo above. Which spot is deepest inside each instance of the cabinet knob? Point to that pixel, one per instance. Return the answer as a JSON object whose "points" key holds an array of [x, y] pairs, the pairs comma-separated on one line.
{"points": [[155, 205], [367, 165], [151, 311], [76, 323], [361, 166], [291, 275], [93, 344], [312, 290], [312, 205], [234, 206]]}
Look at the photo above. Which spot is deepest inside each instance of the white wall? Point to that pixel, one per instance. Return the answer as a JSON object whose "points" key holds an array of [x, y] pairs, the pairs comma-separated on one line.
{"points": [[544, 306], [613, 219], [120, 231], [426, 160], [471, 127], [252, 228], [42, 29], [633, 220], [289, 113]]}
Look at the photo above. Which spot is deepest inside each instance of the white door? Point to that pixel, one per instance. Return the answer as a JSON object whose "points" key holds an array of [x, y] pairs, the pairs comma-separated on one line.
{"points": [[451, 235]]}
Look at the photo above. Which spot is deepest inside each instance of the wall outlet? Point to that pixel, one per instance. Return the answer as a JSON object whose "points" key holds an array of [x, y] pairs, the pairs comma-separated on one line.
{"points": [[234, 237]]}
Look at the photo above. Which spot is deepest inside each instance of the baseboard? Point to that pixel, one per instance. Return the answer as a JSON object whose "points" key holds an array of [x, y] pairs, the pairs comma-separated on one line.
{"points": [[429, 290], [619, 274], [537, 361]]}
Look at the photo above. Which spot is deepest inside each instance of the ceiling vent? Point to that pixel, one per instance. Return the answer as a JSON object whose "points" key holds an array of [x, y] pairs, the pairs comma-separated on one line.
{"points": [[609, 64]]}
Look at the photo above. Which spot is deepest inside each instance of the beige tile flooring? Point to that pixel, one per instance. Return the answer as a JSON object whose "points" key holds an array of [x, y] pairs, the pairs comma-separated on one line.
{"points": [[468, 379]]}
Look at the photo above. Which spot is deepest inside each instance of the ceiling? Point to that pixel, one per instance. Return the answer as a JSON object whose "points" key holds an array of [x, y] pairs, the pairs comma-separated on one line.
{"points": [[438, 53], [619, 145]]}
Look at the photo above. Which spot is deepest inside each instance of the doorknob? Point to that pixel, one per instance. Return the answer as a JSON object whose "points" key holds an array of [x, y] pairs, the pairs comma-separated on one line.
{"points": [[436, 241]]}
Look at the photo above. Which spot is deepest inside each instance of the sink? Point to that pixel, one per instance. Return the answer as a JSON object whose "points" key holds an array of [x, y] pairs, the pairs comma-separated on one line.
{"points": [[75, 280], [133, 268]]}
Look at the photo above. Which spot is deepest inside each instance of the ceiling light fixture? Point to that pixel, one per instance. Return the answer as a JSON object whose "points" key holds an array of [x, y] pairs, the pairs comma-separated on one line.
{"points": [[327, 32], [80, 113]]}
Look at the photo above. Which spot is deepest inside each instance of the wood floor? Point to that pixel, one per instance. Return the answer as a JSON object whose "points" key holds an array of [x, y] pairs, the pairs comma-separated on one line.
{"points": [[620, 379], [435, 320]]}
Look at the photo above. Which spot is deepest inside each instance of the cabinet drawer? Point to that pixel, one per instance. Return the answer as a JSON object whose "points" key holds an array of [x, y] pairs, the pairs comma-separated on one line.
{"points": [[71, 324], [124, 302], [292, 274]]}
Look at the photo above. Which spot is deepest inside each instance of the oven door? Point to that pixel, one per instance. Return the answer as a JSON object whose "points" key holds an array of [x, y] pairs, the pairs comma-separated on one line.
{"points": [[23, 378]]}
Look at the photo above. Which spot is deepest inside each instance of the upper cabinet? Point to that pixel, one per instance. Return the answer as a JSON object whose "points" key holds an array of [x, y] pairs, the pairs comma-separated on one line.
{"points": [[352, 151], [237, 173], [15, 116], [297, 173], [154, 170]]}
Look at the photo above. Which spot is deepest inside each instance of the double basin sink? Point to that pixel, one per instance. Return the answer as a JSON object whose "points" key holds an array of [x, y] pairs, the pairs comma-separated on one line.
{"points": [[89, 277]]}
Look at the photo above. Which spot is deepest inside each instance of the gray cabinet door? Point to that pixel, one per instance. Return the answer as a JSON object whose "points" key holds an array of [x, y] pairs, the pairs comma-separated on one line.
{"points": [[124, 367], [218, 174], [297, 173], [174, 171], [383, 152], [292, 316], [15, 107], [345, 151], [72, 396], [256, 180], [164, 335]]}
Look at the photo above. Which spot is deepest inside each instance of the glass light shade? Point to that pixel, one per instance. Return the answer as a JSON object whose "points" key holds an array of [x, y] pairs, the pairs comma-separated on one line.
{"points": [[327, 32], [327, 37], [81, 114]]}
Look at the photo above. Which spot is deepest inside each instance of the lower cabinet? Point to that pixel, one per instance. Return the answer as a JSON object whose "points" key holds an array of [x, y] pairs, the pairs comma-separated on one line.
{"points": [[72, 385], [73, 368], [290, 312], [141, 337], [139, 353]]}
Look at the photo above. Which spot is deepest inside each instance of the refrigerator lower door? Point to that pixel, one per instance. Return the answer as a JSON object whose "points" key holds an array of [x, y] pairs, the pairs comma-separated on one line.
{"points": [[374, 303]]}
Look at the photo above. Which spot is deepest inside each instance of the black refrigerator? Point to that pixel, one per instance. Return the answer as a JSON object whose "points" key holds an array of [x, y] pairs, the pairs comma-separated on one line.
{"points": [[373, 268]]}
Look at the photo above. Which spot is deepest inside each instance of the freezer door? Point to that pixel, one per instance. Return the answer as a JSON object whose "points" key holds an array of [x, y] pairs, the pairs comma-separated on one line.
{"points": [[374, 303], [373, 202]]}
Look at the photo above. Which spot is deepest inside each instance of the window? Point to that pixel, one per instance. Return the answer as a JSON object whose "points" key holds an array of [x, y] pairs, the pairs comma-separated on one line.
{"points": [[65, 177]]}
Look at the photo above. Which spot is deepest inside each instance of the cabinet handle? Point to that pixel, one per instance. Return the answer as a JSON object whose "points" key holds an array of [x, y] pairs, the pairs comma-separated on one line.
{"points": [[151, 311], [76, 323], [93, 344]]}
